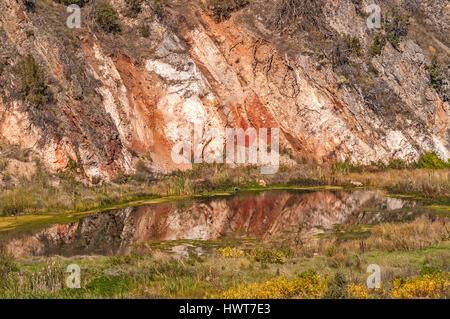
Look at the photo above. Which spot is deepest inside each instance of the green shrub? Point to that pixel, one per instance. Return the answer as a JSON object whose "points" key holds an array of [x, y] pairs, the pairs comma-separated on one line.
{"points": [[30, 5], [352, 44], [29, 33], [397, 164], [337, 287], [396, 27], [436, 74], [108, 19], [222, 9], [158, 6], [32, 82], [80, 3], [145, 32], [273, 256], [433, 161], [133, 8], [379, 41], [429, 270], [347, 167], [7, 265]]}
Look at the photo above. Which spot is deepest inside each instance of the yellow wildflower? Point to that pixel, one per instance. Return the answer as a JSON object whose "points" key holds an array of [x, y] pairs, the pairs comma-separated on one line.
{"points": [[229, 252], [426, 286]]}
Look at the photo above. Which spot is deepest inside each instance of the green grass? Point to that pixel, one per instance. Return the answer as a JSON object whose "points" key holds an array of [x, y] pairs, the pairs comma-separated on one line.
{"points": [[158, 276]]}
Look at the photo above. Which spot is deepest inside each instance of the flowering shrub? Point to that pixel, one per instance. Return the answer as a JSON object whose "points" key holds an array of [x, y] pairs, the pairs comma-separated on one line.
{"points": [[426, 286], [229, 252], [306, 285], [358, 291], [309, 285], [267, 256]]}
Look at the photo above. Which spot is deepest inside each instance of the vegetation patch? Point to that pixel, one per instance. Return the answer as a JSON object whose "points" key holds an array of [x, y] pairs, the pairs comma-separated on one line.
{"points": [[427, 286], [80, 3], [419, 273], [337, 287], [271, 256], [432, 161], [158, 7], [107, 18], [437, 76], [30, 5], [33, 88], [396, 27], [105, 286], [353, 44], [293, 15], [307, 285], [145, 32], [133, 8], [7, 266], [229, 252], [222, 9], [379, 41]]}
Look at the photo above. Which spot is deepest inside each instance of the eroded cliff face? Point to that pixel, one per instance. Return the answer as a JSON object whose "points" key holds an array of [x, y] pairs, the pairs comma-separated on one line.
{"points": [[120, 97]]}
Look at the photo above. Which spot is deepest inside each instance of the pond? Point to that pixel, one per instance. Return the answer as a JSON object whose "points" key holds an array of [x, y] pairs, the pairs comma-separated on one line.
{"points": [[197, 225]]}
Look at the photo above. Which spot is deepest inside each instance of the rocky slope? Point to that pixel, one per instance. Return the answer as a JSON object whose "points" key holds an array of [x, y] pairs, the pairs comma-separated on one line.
{"points": [[115, 97]]}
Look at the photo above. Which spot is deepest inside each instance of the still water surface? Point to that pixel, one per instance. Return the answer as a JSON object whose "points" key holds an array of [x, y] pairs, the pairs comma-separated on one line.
{"points": [[197, 225]]}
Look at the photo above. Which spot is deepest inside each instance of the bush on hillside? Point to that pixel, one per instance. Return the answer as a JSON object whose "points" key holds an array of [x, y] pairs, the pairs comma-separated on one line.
{"points": [[32, 82], [222, 9], [107, 18], [396, 27], [436, 74], [379, 41], [80, 3], [133, 8]]}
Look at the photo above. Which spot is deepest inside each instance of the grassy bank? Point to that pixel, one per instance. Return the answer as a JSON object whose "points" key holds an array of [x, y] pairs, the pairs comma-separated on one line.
{"points": [[414, 258]]}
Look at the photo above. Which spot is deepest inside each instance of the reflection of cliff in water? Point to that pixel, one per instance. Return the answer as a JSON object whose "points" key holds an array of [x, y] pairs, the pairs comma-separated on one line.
{"points": [[262, 215]]}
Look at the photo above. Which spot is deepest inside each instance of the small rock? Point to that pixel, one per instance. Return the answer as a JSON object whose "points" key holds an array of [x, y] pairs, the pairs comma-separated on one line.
{"points": [[357, 184], [111, 272]]}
